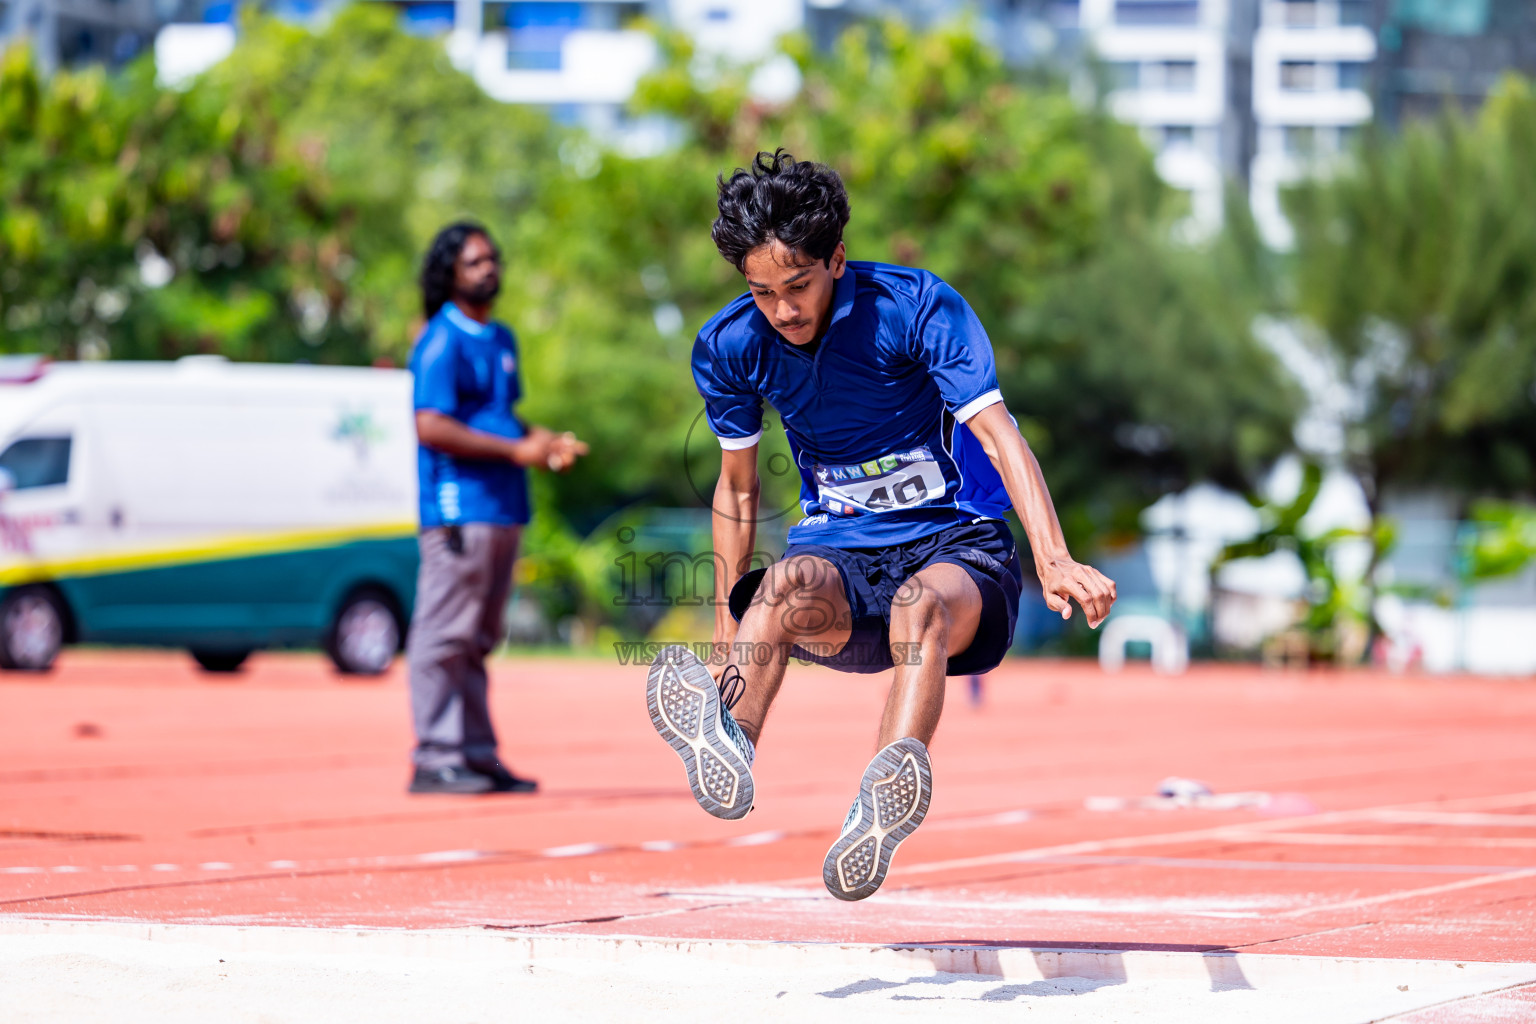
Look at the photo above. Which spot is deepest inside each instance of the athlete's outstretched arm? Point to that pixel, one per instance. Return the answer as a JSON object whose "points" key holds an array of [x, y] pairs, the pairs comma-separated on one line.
{"points": [[734, 530], [1061, 578]]}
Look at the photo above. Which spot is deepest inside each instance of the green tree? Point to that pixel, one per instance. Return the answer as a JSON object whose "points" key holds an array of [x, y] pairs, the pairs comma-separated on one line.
{"points": [[147, 223], [1129, 360], [1417, 265], [275, 209]]}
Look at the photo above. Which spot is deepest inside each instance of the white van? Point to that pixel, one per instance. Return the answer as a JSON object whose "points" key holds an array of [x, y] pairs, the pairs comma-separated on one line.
{"points": [[216, 506]]}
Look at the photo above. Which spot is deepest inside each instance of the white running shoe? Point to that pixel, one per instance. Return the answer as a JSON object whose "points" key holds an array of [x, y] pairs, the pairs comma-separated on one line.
{"points": [[892, 801], [693, 715]]}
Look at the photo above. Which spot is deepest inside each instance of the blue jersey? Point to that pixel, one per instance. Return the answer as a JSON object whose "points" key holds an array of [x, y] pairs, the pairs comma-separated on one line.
{"points": [[468, 370], [876, 416]]}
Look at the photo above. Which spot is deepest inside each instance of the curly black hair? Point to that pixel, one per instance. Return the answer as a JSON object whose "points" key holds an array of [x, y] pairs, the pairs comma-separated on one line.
{"points": [[437, 269], [799, 203]]}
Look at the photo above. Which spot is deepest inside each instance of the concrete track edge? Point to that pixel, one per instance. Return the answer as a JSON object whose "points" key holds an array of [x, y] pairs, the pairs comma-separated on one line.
{"points": [[1219, 969]]}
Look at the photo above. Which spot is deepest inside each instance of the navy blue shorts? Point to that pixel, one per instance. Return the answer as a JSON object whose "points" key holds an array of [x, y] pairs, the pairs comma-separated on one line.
{"points": [[871, 577]]}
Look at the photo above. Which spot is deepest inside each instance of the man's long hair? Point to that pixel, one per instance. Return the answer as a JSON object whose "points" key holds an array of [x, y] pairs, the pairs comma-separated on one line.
{"points": [[437, 268]]}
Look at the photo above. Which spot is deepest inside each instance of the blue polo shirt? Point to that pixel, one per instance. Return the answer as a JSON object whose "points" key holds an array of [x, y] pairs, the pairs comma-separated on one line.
{"points": [[876, 416], [468, 370]]}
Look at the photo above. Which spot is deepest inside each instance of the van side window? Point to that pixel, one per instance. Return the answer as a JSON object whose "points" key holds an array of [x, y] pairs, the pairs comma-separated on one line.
{"points": [[37, 461]]}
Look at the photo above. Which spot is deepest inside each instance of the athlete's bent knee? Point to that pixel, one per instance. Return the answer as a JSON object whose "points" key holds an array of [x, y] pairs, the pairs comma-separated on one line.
{"points": [[796, 590], [918, 613]]}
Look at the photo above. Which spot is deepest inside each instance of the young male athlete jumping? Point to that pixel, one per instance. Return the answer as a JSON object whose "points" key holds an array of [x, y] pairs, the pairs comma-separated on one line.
{"points": [[909, 461]]}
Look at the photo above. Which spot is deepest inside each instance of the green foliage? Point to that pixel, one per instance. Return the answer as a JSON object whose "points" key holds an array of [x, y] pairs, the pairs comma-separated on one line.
{"points": [[1340, 614], [1129, 361], [1418, 262], [1501, 542], [293, 188], [288, 192]]}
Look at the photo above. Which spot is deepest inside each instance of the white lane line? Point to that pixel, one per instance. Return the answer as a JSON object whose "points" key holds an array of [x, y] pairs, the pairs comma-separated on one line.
{"points": [[435, 857], [450, 856], [1217, 832], [1408, 894], [1458, 820], [1363, 839], [1254, 832], [1468, 803], [575, 850], [1001, 818], [1177, 906], [1348, 867], [982, 821]]}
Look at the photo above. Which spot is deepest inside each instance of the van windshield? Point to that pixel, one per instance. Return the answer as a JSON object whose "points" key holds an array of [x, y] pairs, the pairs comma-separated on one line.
{"points": [[37, 461]]}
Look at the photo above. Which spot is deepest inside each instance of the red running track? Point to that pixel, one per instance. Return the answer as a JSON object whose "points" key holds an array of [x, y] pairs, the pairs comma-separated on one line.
{"points": [[1402, 819]]}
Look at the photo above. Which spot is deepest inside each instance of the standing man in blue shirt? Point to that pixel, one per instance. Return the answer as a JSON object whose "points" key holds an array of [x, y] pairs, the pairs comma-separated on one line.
{"points": [[909, 462], [471, 461]]}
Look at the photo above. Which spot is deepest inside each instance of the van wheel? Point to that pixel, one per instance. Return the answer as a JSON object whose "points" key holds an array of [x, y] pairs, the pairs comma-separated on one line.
{"points": [[220, 661], [31, 629], [366, 634]]}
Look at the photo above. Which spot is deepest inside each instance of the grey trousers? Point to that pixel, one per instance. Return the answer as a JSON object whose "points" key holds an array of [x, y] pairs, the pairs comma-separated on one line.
{"points": [[460, 598]]}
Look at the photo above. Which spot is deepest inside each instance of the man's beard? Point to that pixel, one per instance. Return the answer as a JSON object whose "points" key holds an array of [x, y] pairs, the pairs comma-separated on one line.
{"points": [[481, 294]]}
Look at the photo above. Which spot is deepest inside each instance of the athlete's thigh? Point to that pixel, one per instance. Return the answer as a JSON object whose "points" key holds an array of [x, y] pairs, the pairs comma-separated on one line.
{"points": [[802, 597], [950, 586]]}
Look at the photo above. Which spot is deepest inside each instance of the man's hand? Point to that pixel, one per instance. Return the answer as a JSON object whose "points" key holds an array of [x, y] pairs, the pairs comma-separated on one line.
{"points": [[564, 450], [533, 448], [1063, 580]]}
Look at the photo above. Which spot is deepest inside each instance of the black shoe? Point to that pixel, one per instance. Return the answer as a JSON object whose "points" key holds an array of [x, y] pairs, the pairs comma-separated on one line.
{"points": [[503, 781], [452, 779]]}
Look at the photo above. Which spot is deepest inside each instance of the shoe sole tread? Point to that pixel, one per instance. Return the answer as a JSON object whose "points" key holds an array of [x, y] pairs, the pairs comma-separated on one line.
{"points": [[893, 800], [684, 704]]}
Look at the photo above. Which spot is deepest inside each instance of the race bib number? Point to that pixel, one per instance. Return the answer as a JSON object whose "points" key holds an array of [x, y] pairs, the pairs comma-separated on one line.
{"points": [[899, 480]]}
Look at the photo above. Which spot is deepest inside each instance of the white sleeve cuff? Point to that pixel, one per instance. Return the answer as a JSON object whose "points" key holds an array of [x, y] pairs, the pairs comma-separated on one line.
{"points": [[736, 444], [975, 405]]}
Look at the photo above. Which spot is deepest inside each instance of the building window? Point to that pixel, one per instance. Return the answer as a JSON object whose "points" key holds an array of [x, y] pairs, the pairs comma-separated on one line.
{"points": [[1299, 139], [1179, 76], [1066, 13], [1446, 17], [427, 19], [1157, 12], [1298, 76], [1300, 13], [536, 31], [1178, 136], [1352, 74], [1125, 75], [1355, 12]]}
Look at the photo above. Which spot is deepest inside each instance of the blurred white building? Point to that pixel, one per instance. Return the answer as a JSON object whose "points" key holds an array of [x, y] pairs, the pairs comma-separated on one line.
{"points": [[65, 32], [583, 58], [1178, 73], [1311, 80]]}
